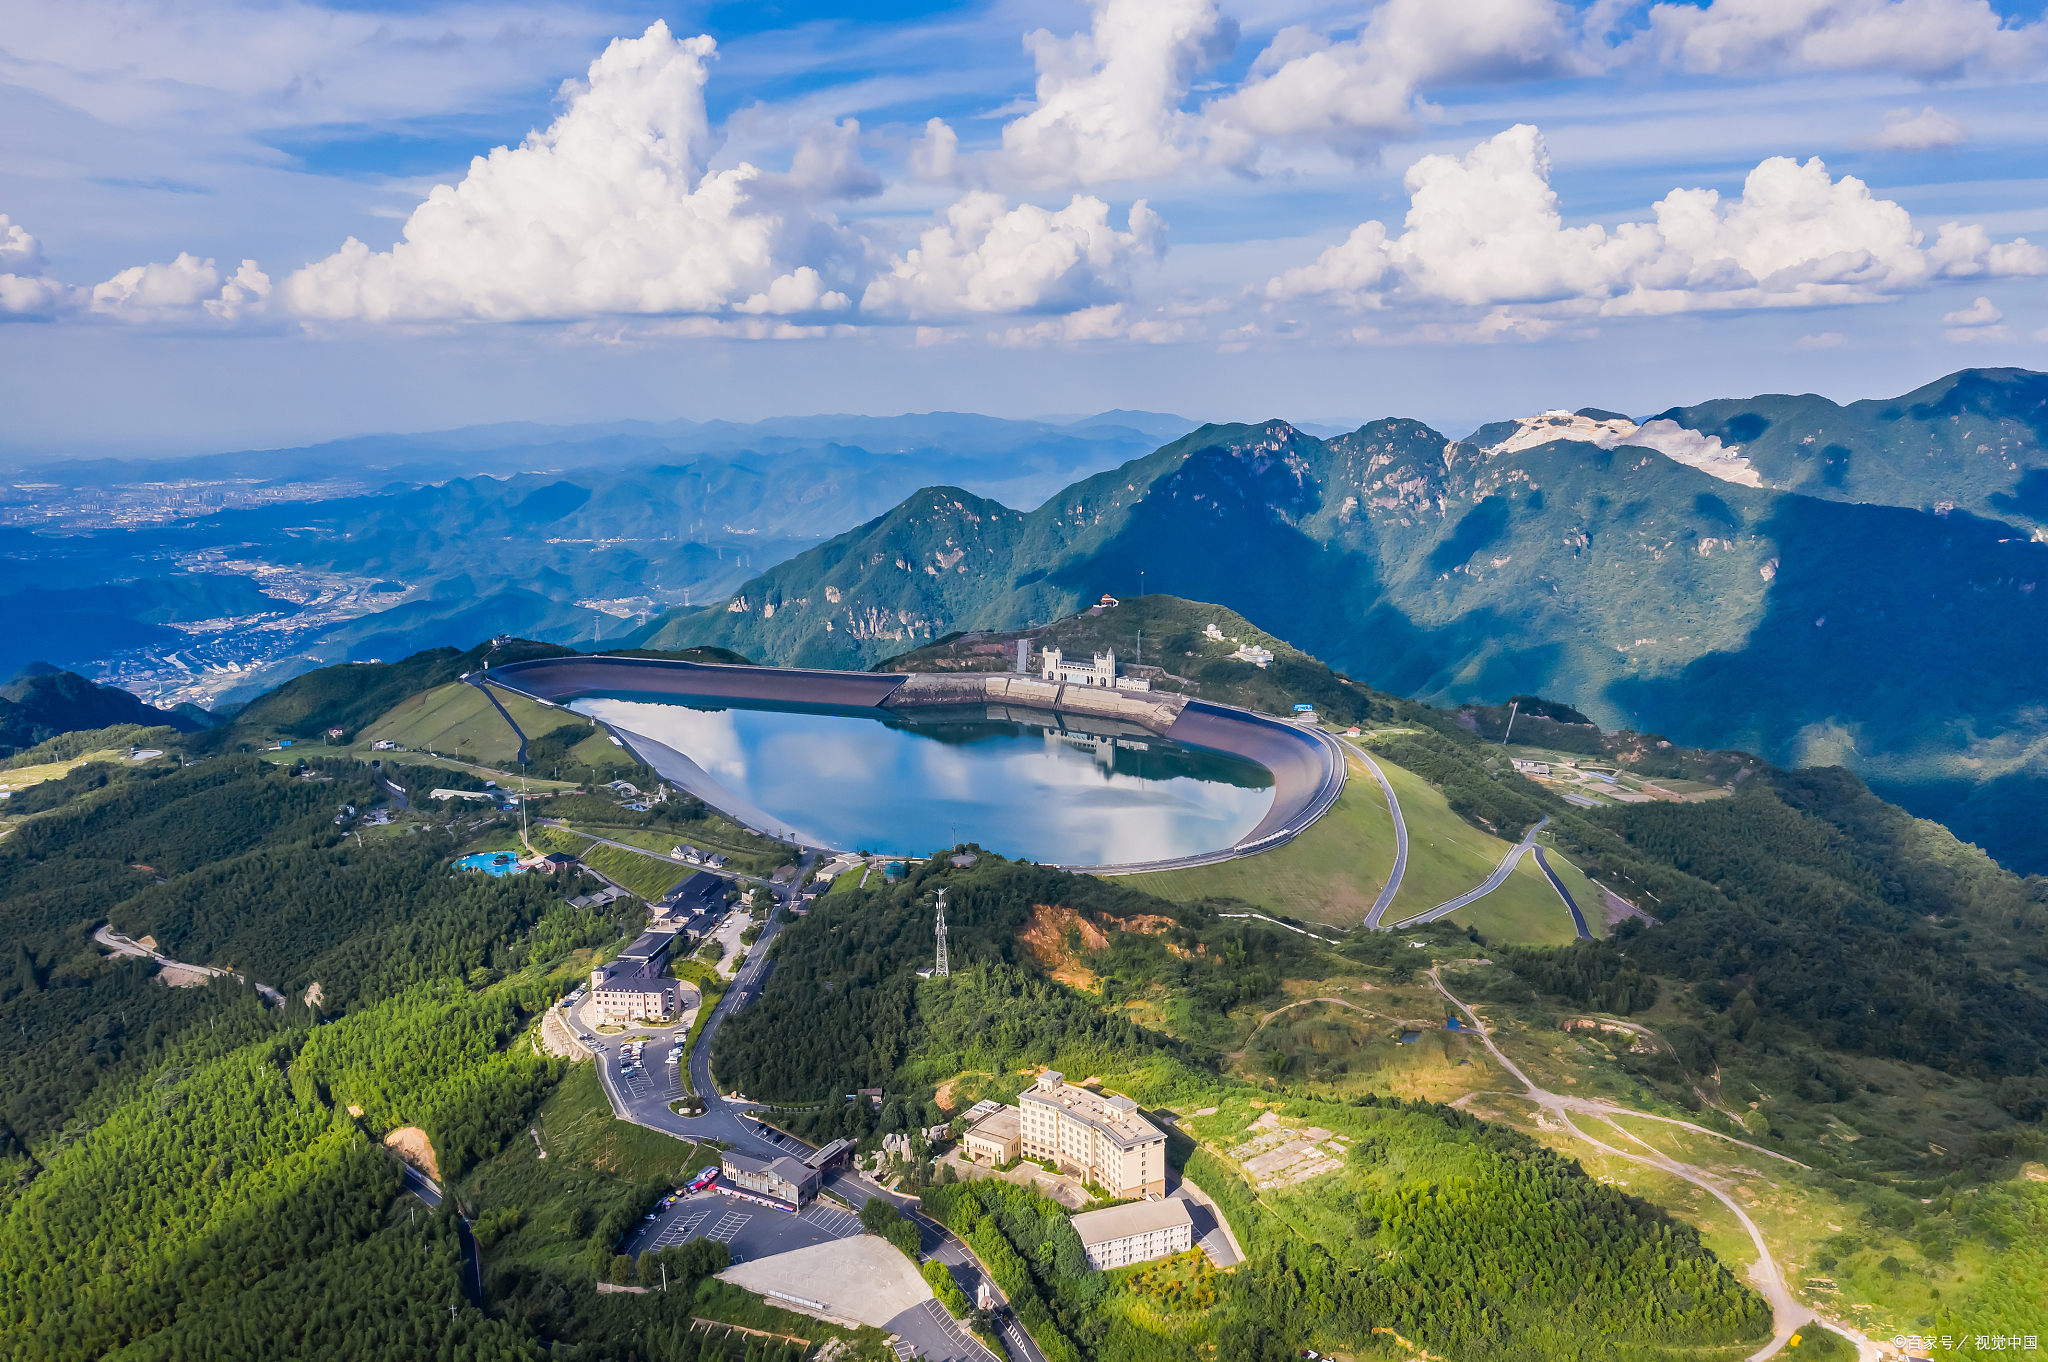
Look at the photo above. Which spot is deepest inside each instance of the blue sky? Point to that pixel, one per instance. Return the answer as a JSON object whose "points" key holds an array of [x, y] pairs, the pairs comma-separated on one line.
{"points": [[1456, 210]]}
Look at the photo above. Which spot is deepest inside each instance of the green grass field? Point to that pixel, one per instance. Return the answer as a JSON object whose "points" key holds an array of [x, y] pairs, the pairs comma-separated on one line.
{"points": [[747, 854], [456, 718], [1525, 910], [646, 876], [21, 777], [1331, 873]]}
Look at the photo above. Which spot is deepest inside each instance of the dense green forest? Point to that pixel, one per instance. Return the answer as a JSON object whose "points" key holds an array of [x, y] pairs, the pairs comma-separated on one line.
{"points": [[1835, 913], [845, 1009], [191, 1171]]}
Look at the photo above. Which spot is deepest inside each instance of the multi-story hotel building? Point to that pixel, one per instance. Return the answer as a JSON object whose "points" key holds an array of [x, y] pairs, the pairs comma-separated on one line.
{"points": [[1098, 1137]]}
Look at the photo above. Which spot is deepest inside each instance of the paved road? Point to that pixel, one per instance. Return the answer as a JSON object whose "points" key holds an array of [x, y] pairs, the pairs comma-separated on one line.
{"points": [[121, 945], [1487, 886], [1787, 1312], [1393, 886], [1325, 798], [1578, 918], [423, 1187], [478, 681], [764, 1231]]}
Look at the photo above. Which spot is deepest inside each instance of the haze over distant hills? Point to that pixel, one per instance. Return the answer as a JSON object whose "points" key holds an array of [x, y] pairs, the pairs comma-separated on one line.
{"points": [[562, 533], [1869, 611]]}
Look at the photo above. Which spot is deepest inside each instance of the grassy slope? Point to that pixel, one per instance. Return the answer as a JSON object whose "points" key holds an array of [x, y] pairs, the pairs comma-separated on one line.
{"points": [[645, 875], [1331, 873], [457, 718]]}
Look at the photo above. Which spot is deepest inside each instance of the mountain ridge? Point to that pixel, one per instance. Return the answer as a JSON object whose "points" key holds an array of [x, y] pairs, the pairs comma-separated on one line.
{"points": [[1641, 589]]}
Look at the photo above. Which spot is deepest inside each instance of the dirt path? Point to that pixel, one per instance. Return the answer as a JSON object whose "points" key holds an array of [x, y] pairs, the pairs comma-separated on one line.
{"points": [[1303, 1002], [1788, 1313], [177, 973]]}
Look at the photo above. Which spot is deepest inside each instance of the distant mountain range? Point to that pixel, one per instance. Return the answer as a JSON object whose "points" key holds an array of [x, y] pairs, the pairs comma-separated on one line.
{"points": [[508, 528], [1818, 584]]}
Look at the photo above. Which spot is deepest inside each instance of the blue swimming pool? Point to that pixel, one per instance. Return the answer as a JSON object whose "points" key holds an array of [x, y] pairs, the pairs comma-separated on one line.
{"points": [[491, 863]]}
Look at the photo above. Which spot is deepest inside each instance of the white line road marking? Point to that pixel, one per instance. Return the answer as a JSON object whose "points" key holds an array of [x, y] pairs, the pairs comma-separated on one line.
{"points": [[834, 1222], [726, 1228], [679, 1231]]}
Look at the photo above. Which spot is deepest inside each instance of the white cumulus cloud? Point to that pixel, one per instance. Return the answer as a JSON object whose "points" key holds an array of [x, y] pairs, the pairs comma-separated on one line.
{"points": [[1108, 100], [1928, 130], [26, 290], [1485, 229], [1925, 38], [985, 256], [1352, 95], [1979, 313], [610, 210]]}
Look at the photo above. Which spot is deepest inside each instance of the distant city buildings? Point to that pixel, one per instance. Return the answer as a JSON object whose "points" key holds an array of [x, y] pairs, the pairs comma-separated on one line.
{"points": [[1137, 1233], [1097, 1137]]}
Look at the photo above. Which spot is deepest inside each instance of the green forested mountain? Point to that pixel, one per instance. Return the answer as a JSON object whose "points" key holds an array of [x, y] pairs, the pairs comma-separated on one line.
{"points": [[1651, 595], [1973, 440], [43, 702]]}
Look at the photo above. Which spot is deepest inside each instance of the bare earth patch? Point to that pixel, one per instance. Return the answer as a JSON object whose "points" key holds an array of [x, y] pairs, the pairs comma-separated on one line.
{"points": [[314, 997], [1045, 937], [412, 1145], [178, 976]]}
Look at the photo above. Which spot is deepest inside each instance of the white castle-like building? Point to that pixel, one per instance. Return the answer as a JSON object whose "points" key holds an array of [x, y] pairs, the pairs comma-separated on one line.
{"points": [[1101, 671]]}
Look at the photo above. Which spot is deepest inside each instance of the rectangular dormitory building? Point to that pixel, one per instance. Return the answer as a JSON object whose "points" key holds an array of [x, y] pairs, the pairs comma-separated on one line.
{"points": [[1095, 1136], [636, 986], [1136, 1233]]}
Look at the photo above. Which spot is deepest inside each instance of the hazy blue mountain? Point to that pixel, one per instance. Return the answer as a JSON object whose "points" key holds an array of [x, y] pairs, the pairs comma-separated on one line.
{"points": [[507, 527], [510, 447], [1902, 642]]}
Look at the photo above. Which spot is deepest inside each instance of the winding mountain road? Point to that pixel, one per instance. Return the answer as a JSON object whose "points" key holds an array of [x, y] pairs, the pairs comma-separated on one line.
{"points": [[121, 945], [1788, 1314], [1393, 885], [1578, 918], [1486, 886]]}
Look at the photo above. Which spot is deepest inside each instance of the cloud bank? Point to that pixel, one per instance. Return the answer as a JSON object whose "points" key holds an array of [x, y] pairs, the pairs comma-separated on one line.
{"points": [[1485, 230]]}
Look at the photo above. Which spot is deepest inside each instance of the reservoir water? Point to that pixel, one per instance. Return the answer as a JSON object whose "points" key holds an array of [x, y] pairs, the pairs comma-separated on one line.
{"points": [[1030, 788]]}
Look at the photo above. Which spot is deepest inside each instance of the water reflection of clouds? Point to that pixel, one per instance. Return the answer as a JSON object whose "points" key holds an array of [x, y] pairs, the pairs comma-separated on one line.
{"points": [[859, 782]]}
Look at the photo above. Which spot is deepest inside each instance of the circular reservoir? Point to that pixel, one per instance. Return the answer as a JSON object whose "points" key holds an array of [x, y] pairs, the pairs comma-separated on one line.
{"points": [[860, 777]]}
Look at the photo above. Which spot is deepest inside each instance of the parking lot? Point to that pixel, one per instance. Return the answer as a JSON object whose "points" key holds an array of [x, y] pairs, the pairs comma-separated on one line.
{"points": [[750, 1230]]}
